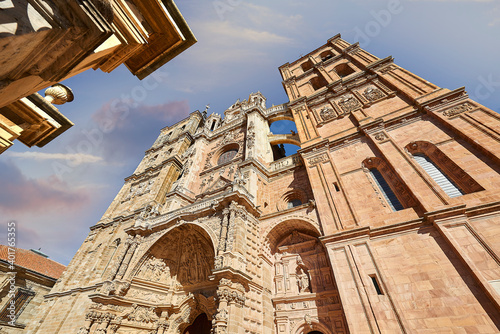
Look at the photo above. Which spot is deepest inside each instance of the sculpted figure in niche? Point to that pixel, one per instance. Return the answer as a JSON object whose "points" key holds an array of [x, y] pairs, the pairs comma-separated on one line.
{"points": [[303, 280]]}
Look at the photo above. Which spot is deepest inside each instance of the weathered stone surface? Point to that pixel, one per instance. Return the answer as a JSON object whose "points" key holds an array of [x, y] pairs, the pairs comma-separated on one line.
{"points": [[211, 232]]}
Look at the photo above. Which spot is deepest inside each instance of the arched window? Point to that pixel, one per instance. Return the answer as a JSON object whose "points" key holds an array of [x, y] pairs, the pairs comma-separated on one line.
{"points": [[227, 156], [386, 190], [452, 179], [448, 186], [387, 182], [294, 202], [213, 125]]}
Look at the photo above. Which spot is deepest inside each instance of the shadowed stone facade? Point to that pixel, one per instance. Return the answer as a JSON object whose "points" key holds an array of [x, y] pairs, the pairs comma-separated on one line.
{"points": [[44, 42], [385, 221]]}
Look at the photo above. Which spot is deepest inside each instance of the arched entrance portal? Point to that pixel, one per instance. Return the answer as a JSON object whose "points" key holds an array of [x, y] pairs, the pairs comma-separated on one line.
{"points": [[182, 259], [303, 279], [201, 325], [174, 276]]}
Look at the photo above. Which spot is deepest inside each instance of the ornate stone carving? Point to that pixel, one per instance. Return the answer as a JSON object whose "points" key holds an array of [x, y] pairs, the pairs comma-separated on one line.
{"points": [[372, 94], [150, 211], [182, 257], [317, 159], [464, 107], [149, 296], [327, 113], [251, 136], [208, 163], [141, 314], [115, 288], [59, 94], [229, 137], [349, 103], [380, 136]]}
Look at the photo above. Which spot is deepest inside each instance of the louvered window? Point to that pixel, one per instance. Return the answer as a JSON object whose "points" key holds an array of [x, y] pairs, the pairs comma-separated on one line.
{"points": [[448, 186], [20, 300], [386, 190]]}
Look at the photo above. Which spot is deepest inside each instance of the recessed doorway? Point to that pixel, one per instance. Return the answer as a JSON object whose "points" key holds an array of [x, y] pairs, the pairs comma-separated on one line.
{"points": [[201, 325]]}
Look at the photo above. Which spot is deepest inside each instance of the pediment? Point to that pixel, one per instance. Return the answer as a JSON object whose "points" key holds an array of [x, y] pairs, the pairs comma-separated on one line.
{"points": [[296, 237]]}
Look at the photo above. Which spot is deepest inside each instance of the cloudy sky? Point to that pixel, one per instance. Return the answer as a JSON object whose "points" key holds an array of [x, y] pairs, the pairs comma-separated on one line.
{"points": [[56, 193]]}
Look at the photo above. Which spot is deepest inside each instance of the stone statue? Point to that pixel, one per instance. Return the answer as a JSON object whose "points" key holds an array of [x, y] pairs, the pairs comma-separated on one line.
{"points": [[303, 281]]}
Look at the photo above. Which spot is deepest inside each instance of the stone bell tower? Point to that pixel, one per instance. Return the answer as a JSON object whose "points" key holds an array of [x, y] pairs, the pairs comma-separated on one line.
{"points": [[405, 176], [384, 221]]}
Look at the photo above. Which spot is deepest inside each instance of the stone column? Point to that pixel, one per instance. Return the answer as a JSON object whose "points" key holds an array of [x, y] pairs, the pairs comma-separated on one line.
{"points": [[233, 207], [229, 316], [128, 257], [223, 233], [119, 259]]}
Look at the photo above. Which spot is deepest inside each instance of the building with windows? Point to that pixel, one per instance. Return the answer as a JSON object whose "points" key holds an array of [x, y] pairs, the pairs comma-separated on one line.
{"points": [[386, 220], [46, 42], [23, 286]]}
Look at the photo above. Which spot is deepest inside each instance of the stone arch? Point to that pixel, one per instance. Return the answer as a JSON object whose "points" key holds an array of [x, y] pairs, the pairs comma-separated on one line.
{"points": [[143, 254], [189, 310], [309, 326], [182, 257], [294, 194], [285, 139], [286, 116], [281, 229]]}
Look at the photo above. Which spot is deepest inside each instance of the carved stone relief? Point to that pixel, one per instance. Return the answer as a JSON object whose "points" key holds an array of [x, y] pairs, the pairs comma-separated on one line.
{"points": [[327, 113], [380, 136], [140, 188], [251, 136], [317, 159], [349, 103], [372, 94], [458, 109], [179, 258]]}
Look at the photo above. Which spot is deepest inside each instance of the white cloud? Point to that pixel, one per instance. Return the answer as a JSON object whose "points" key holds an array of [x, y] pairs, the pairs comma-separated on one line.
{"points": [[226, 29], [74, 159], [496, 14]]}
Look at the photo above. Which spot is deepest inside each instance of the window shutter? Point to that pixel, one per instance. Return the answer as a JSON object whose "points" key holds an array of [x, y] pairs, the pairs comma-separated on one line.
{"points": [[438, 176], [21, 299]]}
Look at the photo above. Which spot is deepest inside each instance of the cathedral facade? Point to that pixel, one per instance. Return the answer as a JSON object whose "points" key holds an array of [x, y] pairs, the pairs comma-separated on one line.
{"points": [[386, 220]]}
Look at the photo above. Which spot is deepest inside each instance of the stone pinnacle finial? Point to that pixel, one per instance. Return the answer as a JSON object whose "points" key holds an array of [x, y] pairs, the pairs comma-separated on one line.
{"points": [[59, 94], [205, 111]]}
